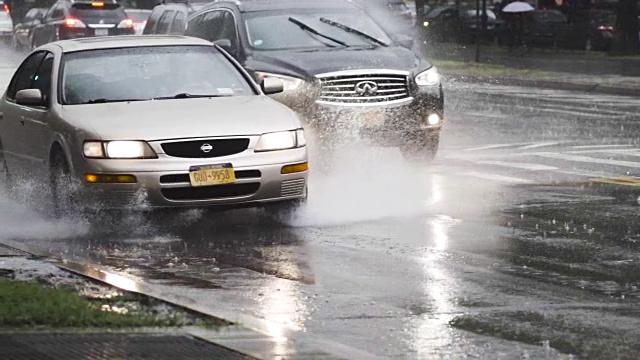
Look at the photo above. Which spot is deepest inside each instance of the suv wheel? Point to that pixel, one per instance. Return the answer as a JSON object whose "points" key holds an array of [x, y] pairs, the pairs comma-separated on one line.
{"points": [[421, 147], [5, 177]]}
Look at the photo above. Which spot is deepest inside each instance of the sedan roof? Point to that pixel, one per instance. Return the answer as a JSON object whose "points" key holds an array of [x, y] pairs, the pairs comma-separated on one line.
{"points": [[114, 42]]}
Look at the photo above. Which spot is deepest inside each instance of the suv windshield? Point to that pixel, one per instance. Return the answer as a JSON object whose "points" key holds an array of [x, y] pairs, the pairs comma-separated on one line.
{"points": [[147, 73], [274, 31]]}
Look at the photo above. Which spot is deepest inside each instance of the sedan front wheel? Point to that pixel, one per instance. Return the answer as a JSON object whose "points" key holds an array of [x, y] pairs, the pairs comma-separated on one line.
{"points": [[63, 186]]}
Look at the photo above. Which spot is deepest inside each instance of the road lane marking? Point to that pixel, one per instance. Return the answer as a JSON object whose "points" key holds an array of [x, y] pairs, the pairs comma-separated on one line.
{"points": [[586, 159], [526, 166], [539, 145], [627, 181], [500, 178], [601, 146], [495, 146]]}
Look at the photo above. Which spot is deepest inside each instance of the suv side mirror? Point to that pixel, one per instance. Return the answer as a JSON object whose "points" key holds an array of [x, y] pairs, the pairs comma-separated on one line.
{"points": [[272, 86], [225, 44], [405, 40], [30, 97], [39, 16]]}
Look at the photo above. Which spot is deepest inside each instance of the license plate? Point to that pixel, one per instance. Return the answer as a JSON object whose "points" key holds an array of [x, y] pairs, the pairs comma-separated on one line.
{"points": [[102, 32], [374, 118], [210, 175]]}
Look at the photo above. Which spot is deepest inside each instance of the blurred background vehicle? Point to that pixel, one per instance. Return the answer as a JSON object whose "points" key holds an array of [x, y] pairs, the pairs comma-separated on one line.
{"points": [[594, 29], [6, 24], [139, 18], [168, 19], [23, 31], [70, 19], [448, 23]]}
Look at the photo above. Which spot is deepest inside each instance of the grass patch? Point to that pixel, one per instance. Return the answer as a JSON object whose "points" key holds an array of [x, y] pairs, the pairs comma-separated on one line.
{"points": [[452, 67], [24, 304]]}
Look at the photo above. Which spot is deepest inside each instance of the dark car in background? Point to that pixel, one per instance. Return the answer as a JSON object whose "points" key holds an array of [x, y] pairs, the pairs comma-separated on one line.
{"points": [[594, 29], [168, 19], [6, 25], [23, 31], [139, 18], [339, 66], [548, 28], [446, 24], [71, 19]]}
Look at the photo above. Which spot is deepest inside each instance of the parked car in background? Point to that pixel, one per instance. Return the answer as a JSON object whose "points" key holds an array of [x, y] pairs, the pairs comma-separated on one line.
{"points": [[548, 28], [168, 19], [338, 65], [446, 24], [23, 31], [171, 119], [594, 29], [139, 18], [6, 25], [71, 19]]}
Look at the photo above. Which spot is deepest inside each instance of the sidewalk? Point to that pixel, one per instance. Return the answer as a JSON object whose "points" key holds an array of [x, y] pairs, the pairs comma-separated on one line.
{"points": [[563, 70]]}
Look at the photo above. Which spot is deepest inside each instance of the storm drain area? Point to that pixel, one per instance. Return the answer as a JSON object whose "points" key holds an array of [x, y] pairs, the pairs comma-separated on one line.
{"points": [[110, 346]]}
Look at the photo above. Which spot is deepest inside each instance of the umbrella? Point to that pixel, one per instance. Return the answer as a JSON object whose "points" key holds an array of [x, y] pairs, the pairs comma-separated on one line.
{"points": [[517, 7]]}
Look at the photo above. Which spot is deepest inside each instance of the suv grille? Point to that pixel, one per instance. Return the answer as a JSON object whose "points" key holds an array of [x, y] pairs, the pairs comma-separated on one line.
{"points": [[205, 148], [361, 87]]}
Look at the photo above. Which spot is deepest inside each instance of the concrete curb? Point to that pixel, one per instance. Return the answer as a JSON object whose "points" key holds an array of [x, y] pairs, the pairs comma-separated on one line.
{"points": [[594, 88], [249, 338]]}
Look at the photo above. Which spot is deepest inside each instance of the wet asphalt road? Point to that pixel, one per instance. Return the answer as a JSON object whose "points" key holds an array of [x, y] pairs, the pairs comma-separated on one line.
{"points": [[509, 235]]}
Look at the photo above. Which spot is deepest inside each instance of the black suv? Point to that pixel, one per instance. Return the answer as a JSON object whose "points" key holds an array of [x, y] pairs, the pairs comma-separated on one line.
{"points": [[70, 19], [340, 68]]}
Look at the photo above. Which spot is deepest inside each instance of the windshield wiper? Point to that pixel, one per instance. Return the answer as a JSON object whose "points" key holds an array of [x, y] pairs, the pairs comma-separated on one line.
{"points": [[354, 31], [189, 96], [308, 28], [104, 100]]}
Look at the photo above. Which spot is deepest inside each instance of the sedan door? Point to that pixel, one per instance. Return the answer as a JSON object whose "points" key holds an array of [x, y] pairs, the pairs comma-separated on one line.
{"points": [[14, 137]]}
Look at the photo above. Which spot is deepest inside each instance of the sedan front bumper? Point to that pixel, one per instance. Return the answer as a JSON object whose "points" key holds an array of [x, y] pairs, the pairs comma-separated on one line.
{"points": [[164, 182]]}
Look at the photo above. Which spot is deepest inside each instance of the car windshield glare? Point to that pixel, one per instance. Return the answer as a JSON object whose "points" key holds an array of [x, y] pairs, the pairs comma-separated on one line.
{"points": [[274, 31], [146, 73]]}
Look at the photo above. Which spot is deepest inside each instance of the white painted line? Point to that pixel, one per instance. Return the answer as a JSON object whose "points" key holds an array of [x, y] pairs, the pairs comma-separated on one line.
{"points": [[586, 159], [500, 178], [494, 146], [526, 166], [600, 146], [539, 145]]}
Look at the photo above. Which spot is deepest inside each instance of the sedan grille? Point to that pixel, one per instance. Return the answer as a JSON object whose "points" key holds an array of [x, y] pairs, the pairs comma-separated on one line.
{"points": [[371, 87], [205, 148]]}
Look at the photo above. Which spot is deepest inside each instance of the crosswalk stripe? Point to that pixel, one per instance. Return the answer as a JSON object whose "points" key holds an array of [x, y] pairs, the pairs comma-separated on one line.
{"points": [[501, 178], [525, 166], [586, 159]]}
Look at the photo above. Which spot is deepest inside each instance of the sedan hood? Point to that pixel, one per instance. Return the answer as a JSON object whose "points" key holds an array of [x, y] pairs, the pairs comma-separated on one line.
{"points": [[307, 64], [181, 118]]}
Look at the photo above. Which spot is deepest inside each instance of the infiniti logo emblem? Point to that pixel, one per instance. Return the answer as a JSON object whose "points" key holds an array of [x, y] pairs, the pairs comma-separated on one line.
{"points": [[366, 88], [206, 148]]}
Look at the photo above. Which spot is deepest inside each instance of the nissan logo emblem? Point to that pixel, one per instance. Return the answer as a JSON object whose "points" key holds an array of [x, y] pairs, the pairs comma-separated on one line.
{"points": [[206, 148]]}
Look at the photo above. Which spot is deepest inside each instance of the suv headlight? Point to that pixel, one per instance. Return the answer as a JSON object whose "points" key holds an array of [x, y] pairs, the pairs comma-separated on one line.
{"points": [[428, 77], [290, 83], [118, 150], [281, 141]]}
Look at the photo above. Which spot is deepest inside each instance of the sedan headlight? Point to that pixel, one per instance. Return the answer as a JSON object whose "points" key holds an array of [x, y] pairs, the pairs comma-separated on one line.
{"points": [[281, 141], [290, 83], [118, 150], [429, 77]]}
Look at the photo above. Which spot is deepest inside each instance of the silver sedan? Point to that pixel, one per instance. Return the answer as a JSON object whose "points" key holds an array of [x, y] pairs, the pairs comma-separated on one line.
{"points": [[171, 121]]}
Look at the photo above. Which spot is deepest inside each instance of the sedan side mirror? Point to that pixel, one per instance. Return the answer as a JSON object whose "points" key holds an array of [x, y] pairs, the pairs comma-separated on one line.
{"points": [[39, 16], [272, 86], [30, 97]]}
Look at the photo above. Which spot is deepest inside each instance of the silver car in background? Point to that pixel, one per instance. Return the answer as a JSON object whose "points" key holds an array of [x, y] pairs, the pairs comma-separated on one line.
{"points": [[166, 121], [6, 26]]}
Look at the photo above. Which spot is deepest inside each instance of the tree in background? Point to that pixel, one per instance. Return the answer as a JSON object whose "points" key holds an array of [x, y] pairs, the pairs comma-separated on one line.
{"points": [[625, 40]]}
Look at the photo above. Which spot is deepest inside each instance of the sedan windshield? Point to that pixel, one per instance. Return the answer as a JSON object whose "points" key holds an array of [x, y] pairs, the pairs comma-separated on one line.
{"points": [[275, 31], [147, 73]]}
